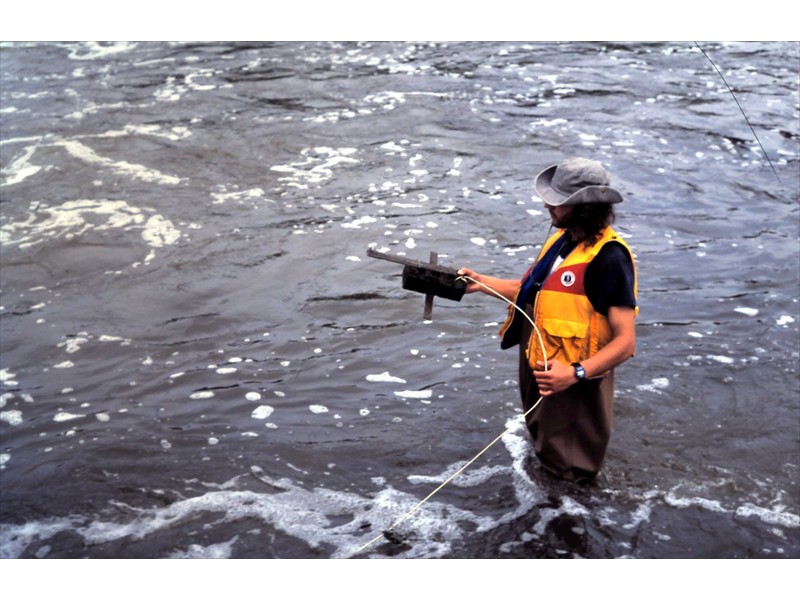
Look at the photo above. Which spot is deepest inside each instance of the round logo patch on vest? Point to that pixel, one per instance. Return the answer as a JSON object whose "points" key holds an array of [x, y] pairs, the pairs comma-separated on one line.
{"points": [[567, 278]]}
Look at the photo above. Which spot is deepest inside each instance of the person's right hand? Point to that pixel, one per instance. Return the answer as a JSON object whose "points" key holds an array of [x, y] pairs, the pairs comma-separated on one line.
{"points": [[472, 287]]}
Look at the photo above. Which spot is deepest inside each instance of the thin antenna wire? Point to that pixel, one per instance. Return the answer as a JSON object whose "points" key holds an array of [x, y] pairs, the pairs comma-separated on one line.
{"points": [[741, 109]]}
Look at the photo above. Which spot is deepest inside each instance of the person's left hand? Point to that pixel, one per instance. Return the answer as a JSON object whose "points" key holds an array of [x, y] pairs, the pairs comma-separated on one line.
{"points": [[557, 378]]}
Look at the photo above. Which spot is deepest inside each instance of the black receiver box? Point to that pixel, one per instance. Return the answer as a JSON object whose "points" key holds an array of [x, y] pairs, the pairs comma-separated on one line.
{"points": [[439, 281]]}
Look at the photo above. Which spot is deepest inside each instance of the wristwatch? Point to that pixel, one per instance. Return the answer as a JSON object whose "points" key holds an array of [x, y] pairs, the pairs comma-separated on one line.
{"points": [[580, 372]]}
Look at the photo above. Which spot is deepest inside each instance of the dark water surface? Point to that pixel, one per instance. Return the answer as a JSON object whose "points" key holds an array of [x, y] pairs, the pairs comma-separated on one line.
{"points": [[199, 360]]}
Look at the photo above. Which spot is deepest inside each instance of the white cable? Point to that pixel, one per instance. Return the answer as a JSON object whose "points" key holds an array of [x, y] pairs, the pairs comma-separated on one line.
{"points": [[474, 458]]}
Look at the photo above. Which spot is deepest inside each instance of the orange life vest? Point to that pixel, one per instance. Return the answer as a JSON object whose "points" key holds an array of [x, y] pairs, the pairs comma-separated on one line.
{"points": [[571, 329]]}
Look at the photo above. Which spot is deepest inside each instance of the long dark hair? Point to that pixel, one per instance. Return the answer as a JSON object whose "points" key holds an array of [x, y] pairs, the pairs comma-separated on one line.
{"points": [[587, 220]]}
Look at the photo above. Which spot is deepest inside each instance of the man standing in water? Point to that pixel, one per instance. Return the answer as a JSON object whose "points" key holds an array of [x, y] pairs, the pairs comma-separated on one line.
{"points": [[581, 294]]}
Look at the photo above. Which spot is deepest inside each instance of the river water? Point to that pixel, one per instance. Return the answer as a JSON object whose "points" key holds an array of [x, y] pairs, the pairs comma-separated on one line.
{"points": [[199, 359]]}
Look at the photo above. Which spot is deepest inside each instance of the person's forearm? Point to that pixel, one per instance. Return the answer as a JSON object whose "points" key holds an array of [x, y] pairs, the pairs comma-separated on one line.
{"points": [[621, 347], [616, 352], [507, 288]]}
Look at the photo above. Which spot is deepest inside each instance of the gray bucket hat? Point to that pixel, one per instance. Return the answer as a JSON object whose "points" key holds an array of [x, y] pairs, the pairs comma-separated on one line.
{"points": [[575, 181]]}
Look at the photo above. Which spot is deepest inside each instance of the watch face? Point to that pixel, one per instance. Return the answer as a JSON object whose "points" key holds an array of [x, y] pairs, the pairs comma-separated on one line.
{"points": [[580, 372]]}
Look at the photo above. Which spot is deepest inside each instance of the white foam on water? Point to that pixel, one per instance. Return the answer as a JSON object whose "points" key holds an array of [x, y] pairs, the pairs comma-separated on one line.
{"points": [[262, 412], [655, 385], [513, 250], [114, 338], [159, 232], [297, 512], [750, 312], [135, 171], [95, 50], [414, 394], [331, 116], [640, 515], [200, 87], [358, 223], [386, 99], [721, 359], [21, 168], [221, 550], [384, 377], [318, 409], [75, 218], [548, 122], [393, 148], [305, 512], [7, 377], [784, 320], [224, 196], [60, 417], [317, 166], [171, 91], [173, 134], [455, 172], [73, 344], [672, 498], [568, 507], [201, 395], [769, 515], [12, 417]]}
